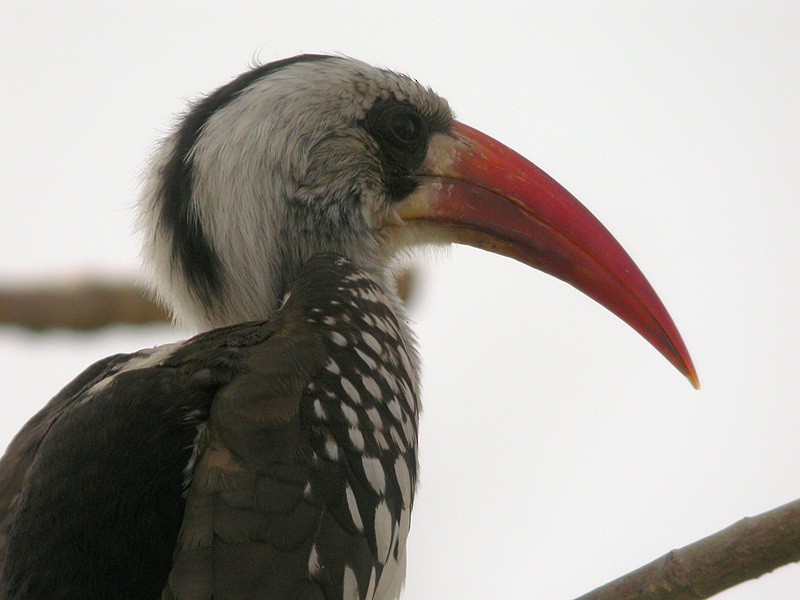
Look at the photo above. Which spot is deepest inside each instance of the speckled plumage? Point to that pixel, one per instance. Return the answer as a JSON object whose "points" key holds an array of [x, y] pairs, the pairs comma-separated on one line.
{"points": [[293, 524]]}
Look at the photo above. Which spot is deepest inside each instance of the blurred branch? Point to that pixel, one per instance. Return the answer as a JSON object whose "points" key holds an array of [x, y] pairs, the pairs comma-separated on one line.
{"points": [[85, 305], [745, 550], [94, 304]]}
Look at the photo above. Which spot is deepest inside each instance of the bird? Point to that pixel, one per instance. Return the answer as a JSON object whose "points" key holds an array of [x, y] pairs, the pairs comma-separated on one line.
{"points": [[274, 454]]}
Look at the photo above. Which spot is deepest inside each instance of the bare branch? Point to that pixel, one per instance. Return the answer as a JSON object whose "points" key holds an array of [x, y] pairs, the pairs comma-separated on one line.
{"points": [[745, 550]]}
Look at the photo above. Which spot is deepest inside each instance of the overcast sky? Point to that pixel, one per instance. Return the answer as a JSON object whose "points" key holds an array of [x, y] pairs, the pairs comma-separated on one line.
{"points": [[559, 450]]}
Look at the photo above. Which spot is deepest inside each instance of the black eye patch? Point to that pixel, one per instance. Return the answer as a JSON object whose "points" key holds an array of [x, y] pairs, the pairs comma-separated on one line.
{"points": [[402, 135]]}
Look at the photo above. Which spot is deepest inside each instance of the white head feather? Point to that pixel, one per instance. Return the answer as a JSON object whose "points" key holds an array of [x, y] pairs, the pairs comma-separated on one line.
{"points": [[281, 170]]}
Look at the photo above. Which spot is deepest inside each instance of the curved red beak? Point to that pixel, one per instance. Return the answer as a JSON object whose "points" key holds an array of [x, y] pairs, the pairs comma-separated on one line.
{"points": [[486, 195]]}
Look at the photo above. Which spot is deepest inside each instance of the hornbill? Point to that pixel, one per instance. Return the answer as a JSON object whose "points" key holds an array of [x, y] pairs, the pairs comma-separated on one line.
{"points": [[273, 455]]}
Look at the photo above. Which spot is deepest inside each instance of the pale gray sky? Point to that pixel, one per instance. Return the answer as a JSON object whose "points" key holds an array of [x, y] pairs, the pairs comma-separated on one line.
{"points": [[558, 449]]}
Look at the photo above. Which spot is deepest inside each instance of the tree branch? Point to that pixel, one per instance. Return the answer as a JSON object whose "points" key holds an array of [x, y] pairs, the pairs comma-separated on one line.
{"points": [[83, 305], [91, 304], [745, 550]]}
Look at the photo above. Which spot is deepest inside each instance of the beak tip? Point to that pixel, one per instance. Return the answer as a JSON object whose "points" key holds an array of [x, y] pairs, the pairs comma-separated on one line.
{"points": [[678, 355], [680, 358], [691, 375]]}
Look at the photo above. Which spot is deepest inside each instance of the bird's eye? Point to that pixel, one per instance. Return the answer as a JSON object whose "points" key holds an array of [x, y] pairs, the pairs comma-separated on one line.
{"points": [[399, 129], [406, 127]]}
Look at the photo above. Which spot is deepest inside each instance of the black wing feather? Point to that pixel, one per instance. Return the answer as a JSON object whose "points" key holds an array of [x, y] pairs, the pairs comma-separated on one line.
{"points": [[92, 488], [22, 450]]}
